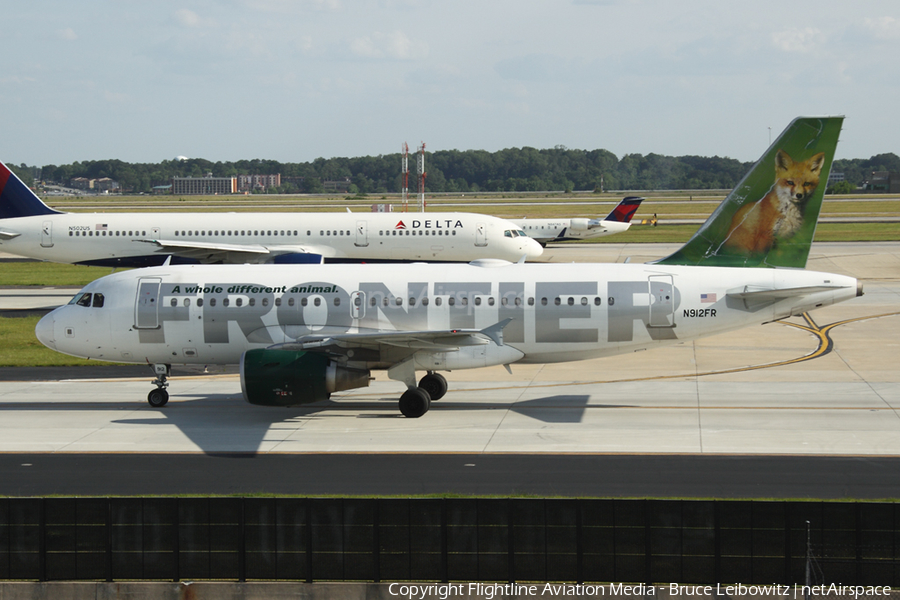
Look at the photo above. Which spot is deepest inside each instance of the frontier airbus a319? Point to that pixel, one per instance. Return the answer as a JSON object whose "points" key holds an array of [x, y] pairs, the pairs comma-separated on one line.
{"points": [[30, 228], [303, 332]]}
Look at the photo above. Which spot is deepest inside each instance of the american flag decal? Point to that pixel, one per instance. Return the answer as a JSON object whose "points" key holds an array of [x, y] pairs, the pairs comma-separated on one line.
{"points": [[707, 298], [101, 227]]}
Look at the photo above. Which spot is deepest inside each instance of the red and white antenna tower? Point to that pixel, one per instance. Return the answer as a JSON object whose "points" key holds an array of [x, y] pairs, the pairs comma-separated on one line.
{"points": [[404, 170], [420, 164]]}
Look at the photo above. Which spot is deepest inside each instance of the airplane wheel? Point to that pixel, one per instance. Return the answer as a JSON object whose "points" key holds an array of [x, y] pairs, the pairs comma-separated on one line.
{"points": [[435, 384], [414, 403], [158, 398]]}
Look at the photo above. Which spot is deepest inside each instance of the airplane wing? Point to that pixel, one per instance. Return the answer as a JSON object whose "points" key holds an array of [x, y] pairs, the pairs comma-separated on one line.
{"points": [[446, 340], [218, 253]]}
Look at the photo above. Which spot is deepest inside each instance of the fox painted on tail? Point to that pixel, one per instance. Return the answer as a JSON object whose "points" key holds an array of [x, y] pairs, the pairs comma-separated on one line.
{"points": [[769, 218], [779, 215]]}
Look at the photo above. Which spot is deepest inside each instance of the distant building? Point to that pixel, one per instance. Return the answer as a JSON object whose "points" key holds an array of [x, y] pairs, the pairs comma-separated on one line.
{"points": [[104, 184], [885, 182], [81, 183], [337, 185], [208, 185], [248, 183], [162, 189], [834, 178]]}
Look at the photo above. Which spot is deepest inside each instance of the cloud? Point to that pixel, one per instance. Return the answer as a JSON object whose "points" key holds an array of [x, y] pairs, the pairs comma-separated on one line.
{"points": [[543, 68], [115, 97], [290, 6], [883, 28], [395, 45], [797, 40], [188, 18], [67, 34]]}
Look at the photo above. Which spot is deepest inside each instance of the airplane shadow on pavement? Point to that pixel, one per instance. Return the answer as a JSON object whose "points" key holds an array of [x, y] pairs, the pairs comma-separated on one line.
{"points": [[223, 423]]}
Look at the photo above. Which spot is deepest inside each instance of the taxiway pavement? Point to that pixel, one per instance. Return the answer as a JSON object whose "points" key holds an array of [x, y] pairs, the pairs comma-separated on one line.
{"points": [[750, 413]]}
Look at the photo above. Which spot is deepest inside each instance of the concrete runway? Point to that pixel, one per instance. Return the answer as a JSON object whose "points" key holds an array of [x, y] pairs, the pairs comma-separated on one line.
{"points": [[791, 409]]}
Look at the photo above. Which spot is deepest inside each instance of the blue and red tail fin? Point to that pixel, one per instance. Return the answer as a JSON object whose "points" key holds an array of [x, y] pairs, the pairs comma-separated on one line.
{"points": [[16, 200], [625, 210]]}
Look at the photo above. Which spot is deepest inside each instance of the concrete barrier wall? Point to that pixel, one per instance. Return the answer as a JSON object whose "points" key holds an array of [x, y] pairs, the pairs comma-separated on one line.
{"points": [[446, 539]]}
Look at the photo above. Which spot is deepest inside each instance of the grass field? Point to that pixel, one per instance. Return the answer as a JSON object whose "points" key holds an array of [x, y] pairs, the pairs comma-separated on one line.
{"points": [[21, 349], [44, 274]]}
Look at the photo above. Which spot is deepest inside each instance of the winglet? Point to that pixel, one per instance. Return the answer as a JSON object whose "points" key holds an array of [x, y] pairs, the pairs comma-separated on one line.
{"points": [[16, 200], [495, 331], [769, 219]]}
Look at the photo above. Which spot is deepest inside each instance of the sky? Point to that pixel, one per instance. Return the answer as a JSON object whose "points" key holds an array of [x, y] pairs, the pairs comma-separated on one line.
{"points": [[294, 80]]}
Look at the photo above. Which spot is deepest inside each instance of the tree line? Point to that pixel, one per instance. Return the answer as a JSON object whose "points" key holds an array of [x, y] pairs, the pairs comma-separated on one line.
{"points": [[470, 171]]}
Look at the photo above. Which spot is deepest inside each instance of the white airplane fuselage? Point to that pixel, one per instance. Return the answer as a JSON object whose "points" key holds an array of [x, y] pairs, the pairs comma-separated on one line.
{"points": [[141, 239], [556, 230], [211, 314]]}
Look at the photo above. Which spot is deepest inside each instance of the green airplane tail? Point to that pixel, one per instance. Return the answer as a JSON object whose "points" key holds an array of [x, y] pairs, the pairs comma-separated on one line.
{"points": [[769, 219]]}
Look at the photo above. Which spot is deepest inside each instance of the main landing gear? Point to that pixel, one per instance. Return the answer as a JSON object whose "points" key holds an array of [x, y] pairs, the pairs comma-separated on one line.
{"points": [[435, 384], [415, 402], [158, 397]]}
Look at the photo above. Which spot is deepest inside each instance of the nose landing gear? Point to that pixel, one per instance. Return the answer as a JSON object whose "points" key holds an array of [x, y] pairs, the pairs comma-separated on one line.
{"points": [[158, 397]]}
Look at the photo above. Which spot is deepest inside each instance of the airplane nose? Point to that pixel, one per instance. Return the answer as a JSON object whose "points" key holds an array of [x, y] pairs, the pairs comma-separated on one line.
{"points": [[532, 249], [44, 331]]}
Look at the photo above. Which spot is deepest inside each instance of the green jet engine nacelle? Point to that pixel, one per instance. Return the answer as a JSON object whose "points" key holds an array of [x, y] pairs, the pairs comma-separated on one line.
{"points": [[289, 377]]}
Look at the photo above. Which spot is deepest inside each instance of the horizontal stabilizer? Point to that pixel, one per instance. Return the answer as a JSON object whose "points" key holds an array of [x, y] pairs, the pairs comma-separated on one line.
{"points": [[778, 294]]}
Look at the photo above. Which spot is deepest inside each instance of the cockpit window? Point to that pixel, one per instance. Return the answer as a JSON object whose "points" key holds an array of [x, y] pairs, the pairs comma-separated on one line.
{"points": [[508, 233], [88, 299], [521, 233], [82, 300]]}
